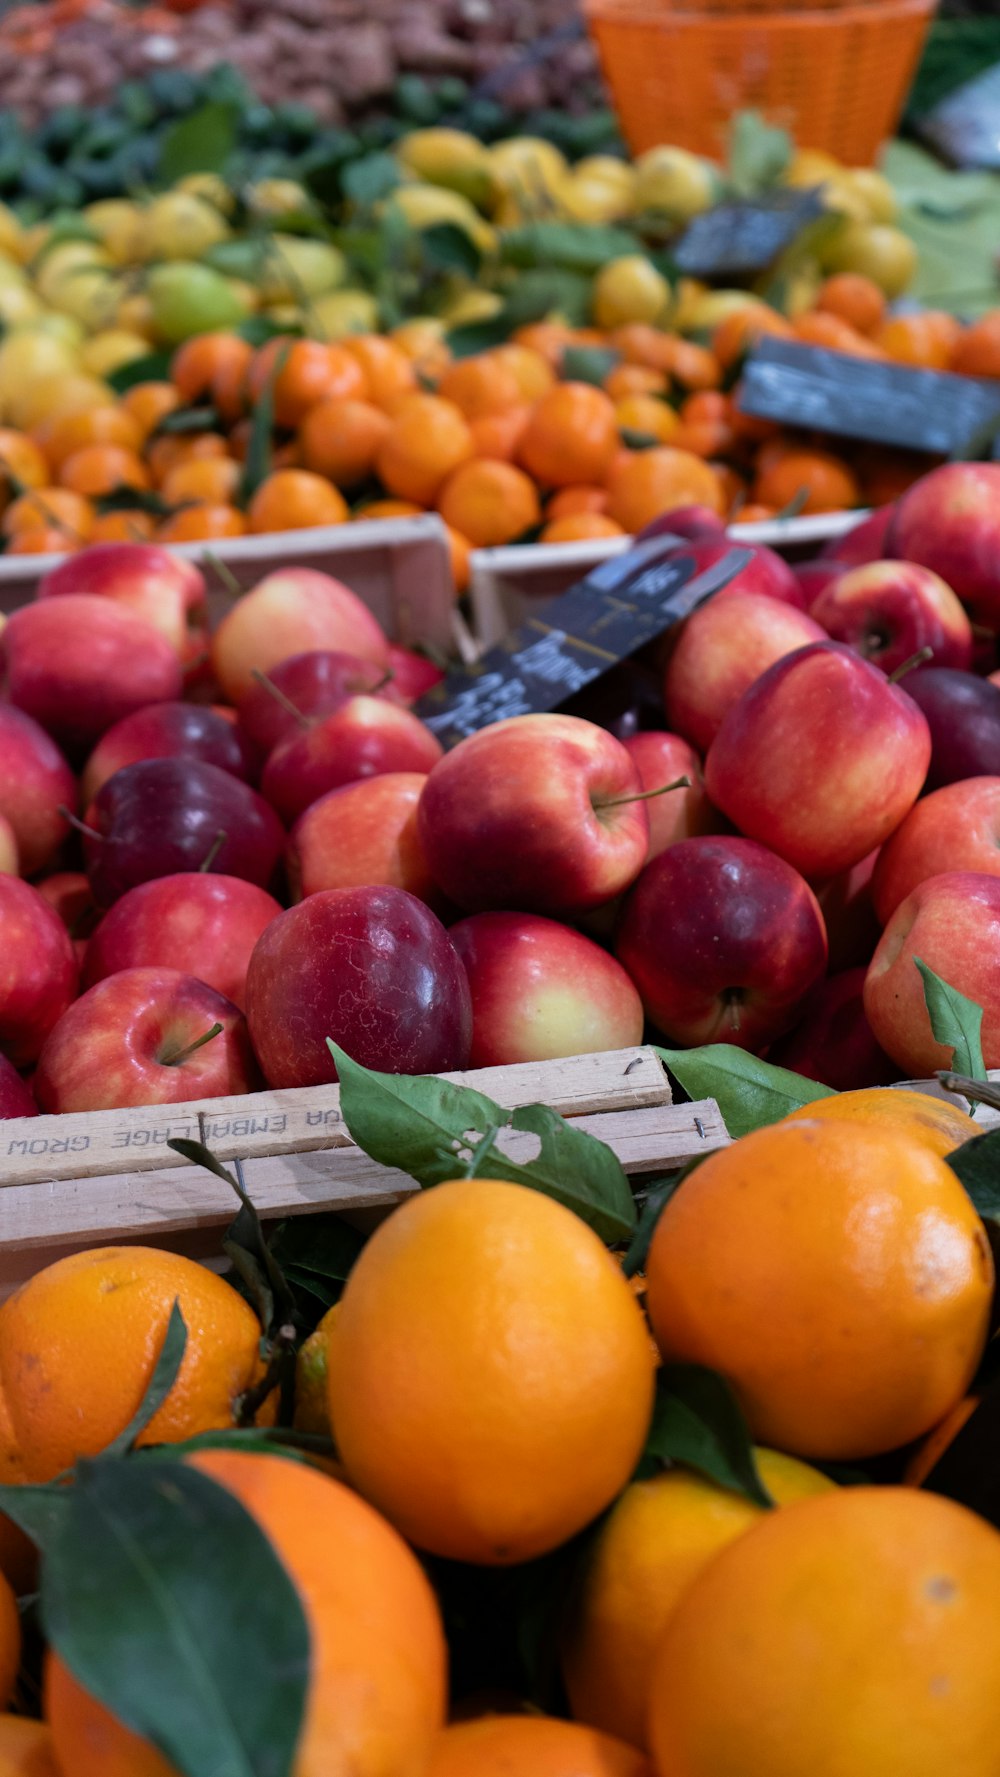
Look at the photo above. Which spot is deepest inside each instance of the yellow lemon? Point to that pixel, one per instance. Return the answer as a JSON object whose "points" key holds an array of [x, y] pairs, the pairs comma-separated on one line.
{"points": [[425, 205], [117, 223], [873, 190], [212, 188], [110, 349], [278, 197], [471, 305], [294, 267], [18, 305], [180, 225], [629, 289], [12, 234], [876, 250], [451, 158], [341, 312], [674, 183], [810, 166]]}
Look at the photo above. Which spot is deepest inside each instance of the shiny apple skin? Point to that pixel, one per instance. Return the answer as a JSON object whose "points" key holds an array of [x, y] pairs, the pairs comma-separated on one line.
{"points": [[166, 590], [766, 574], [35, 781], [80, 664], [955, 828], [162, 816], [317, 684], [888, 611], [541, 990], [16, 1098], [362, 835], [38, 970], [106, 1050], [952, 923], [723, 941], [412, 674], [508, 820], [864, 542], [362, 738], [168, 731], [963, 713], [203, 924], [292, 611], [949, 520], [833, 1041], [721, 649], [852, 929], [373, 969], [820, 759], [660, 759]]}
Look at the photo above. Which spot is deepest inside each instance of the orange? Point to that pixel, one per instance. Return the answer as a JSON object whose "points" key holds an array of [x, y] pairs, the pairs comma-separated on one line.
{"points": [[693, 366], [45, 542], [547, 339], [754, 512], [26, 1748], [424, 343], [572, 436], [79, 1341], [340, 439], [149, 403], [491, 1379], [853, 1633], [928, 340], [823, 480], [197, 363], [50, 509], [203, 523], [933, 1447], [644, 413], [531, 370], [426, 442], [837, 1274], [100, 468], [18, 1558], [976, 352], [389, 509], [853, 298], [167, 451], [459, 556], [376, 1694], [489, 503], [229, 391], [939, 1124], [640, 343], [311, 370], [657, 1538], [212, 479], [580, 527], [283, 456], [570, 500], [634, 379], [295, 500], [122, 527], [512, 1745], [22, 458], [818, 328], [481, 386], [649, 482], [312, 1407], [388, 373], [66, 433], [498, 435], [740, 330]]}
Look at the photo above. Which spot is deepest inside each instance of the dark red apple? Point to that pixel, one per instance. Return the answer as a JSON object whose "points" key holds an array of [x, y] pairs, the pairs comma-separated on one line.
{"points": [[412, 674], [362, 834], [134, 1039], [35, 783], [765, 573], [38, 970], [891, 610], [723, 940], [362, 738], [164, 589], [963, 714], [852, 929], [865, 541], [372, 968], [314, 685], [168, 731], [949, 520], [833, 1041], [16, 1097], [203, 924]]}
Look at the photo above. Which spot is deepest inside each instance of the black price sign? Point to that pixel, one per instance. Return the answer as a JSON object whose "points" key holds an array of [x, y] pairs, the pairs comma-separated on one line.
{"points": [[622, 604], [737, 240], [816, 389]]}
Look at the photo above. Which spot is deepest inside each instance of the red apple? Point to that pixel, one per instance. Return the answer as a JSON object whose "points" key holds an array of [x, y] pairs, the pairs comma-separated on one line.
{"points": [[720, 650], [35, 782], [864, 541], [412, 674], [723, 941], [164, 589], [688, 521], [79, 664], [952, 923], [292, 611], [132, 1040], [373, 969], [362, 834], [536, 813], [205, 925], [852, 929], [820, 759], [168, 731], [833, 1041], [766, 572], [38, 971], [541, 990], [362, 738], [815, 576], [949, 520], [10, 862], [16, 1098], [963, 713], [304, 687], [955, 828], [890, 610], [661, 759], [70, 894]]}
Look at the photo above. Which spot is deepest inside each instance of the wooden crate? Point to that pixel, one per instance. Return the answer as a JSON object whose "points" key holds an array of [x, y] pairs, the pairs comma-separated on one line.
{"points": [[75, 1181]]}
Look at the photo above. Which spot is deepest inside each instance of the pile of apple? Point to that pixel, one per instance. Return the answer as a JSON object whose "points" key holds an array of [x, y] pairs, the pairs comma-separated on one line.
{"points": [[220, 850]]}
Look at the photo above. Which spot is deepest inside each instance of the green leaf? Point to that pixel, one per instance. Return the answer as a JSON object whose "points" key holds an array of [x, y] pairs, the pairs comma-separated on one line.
{"points": [[436, 1131], [203, 142], [479, 336], [657, 1198], [153, 368], [589, 364], [749, 1092], [365, 182], [165, 1373], [447, 247], [544, 292], [169, 1605], [956, 1022], [323, 1244], [136, 499], [758, 154], [977, 1164], [257, 466], [574, 246], [187, 419], [37, 1510], [697, 1421], [244, 1243]]}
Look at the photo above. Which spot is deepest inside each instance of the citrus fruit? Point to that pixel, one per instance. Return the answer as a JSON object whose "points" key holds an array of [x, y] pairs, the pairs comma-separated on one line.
{"points": [[677, 184], [645, 483], [426, 442], [572, 436], [188, 298], [451, 158], [491, 1379], [312, 1406], [837, 1274], [295, 500], [502, 1745], [489, 503], [580, 527], [340, 439], [480, 386], [179, 225], [26, 1748], [939, 1123], [932, 1448], [877, 251], [629, 289]]}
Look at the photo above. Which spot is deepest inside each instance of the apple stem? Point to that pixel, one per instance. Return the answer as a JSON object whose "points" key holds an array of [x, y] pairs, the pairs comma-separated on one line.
{"points": [[81, 826], [213, 851], [179, 1055], [679, 783], [224, 572], [907, 666], [279, 697], [386, 679], [979, 1091]]}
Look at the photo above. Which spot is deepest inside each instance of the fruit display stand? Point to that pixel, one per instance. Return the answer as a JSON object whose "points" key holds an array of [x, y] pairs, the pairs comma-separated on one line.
{"points": [[76, 1181]]}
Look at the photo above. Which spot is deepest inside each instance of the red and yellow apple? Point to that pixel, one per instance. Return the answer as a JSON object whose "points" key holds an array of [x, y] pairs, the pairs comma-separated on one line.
{"points": [[888, 611], [38, 970], [362, 834], [952, 923], [955, 828], [721, 649], [293, 611], [203, 924]]}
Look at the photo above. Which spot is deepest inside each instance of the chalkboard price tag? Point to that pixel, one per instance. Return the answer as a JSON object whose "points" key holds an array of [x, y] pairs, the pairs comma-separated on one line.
{"points": [[737, 240], [573, 639], [824, 391]]}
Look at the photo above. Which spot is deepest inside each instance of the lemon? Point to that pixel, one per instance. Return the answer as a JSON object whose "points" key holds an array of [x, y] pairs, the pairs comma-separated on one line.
{"points": [[341, 312], [674, 183], [178, 226], [188, 298], [40, 398], [609, 169], [79, 279], [287, 315], [12, 235], [117, 223], [134, 314], [293, 268], [629, 289], [451, 158], [876, 251], [528, 160], [703, 313], [810, 166], [595, 200], [12, 275], [837, 194], [278, 197], [57, 326], [212, 188], [425, 205], [17, 305], [471, 305], [110, 349], [873, 191], [34, 240]]}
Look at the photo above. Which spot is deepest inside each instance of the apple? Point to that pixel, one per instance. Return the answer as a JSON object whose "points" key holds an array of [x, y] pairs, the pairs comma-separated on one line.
{"points": [[168, 731], [541, 990], [661, 759], [137, 1038], [164, 589], [814, 576], [79, 664], [955, 828], [537, 813], [203, 924], [765, 573], [38, 970], [833, 1041], [949, 521], [304, 687], [723, 941], [864, 541], [820, 759], [35, 784], [70, 894], [412, 674], [952, 923], [852, 929], [16, 1097], [687, 521], [963, 713], [363, 833], [890, 610], [292, 611], [162, 816], [10, 862], [721, 649], [371, 967], [362, 738]]}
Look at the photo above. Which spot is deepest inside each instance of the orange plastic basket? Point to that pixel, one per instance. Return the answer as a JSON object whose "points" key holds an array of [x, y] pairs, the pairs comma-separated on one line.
{"points": [[836, 77]]}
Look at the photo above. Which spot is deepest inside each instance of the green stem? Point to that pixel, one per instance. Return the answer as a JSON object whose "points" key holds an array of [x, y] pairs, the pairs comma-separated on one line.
{"points": [[180, 1055], [679, 783]]}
